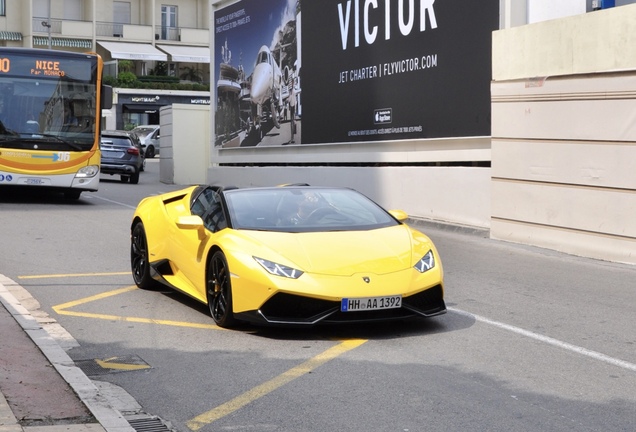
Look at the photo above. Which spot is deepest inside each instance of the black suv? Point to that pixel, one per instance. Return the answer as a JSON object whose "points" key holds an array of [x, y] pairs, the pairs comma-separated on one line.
{"points": [[122, 154]]}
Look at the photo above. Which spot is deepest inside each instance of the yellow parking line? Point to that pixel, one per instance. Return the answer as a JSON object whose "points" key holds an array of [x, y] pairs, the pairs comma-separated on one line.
{"points": [[73, 275], [273, 384], [93, 298], [62, 310]]}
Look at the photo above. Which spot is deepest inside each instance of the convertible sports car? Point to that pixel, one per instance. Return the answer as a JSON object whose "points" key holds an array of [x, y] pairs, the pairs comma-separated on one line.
{"points": [[294, 255]]}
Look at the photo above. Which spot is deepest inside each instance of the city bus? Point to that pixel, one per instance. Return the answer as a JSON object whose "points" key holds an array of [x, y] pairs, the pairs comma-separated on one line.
{"points": [[50, 114]]}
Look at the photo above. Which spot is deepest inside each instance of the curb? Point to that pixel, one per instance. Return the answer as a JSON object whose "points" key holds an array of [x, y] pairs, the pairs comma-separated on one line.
{"points": [[110, 418], [449, 227]]}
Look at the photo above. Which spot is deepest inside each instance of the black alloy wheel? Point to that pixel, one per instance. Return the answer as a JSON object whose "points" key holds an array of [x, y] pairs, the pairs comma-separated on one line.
{"points": [[139, 263], [219, 291]]}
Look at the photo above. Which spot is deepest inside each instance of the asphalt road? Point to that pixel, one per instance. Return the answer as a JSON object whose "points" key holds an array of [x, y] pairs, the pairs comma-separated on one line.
{"points": [[533, 340]]}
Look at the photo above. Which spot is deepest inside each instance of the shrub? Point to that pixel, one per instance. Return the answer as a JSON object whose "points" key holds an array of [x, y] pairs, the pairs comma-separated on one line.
{"points": [[126, 78]]}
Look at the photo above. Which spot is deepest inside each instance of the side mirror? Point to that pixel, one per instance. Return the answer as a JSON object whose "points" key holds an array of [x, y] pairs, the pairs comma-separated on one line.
{"points": [[190, 222], [399, 215], [107, 97]]}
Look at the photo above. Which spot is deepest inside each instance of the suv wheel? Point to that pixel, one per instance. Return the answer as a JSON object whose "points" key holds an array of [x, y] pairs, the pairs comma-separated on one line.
{"points": [[134, 179], [150, 152]]}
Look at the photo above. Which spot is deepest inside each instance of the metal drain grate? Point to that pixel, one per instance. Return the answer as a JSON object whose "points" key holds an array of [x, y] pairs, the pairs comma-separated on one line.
{"points": [[148, 424]]}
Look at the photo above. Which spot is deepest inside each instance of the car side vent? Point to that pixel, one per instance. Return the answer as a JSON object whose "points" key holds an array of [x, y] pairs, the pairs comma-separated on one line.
{"points": [[173, 199]]}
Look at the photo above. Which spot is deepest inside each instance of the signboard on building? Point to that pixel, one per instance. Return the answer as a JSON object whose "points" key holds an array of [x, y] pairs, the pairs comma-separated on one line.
{"points": [[352, 70]]}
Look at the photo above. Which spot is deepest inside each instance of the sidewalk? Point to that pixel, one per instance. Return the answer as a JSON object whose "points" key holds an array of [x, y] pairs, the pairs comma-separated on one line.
{"points": [[41, 389]]}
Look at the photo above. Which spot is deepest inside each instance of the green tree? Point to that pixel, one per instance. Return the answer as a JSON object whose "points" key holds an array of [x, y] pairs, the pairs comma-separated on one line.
{"points": [[191, 74], [125, 66]]}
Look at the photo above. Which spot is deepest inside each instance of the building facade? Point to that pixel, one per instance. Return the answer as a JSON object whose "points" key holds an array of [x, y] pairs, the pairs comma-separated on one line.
{"points": [[142, 37]]}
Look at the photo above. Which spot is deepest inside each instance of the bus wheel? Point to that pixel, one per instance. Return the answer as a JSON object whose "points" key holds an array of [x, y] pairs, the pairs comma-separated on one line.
{"points": [[72, 194]]}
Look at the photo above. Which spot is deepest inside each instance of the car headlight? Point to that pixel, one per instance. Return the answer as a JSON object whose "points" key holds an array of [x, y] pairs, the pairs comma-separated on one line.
{"points": [[426, 263], [279, 269]]}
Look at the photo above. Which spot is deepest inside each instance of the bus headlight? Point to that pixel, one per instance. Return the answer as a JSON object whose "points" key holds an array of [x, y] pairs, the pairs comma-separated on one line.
{"points": [[88, 171]]}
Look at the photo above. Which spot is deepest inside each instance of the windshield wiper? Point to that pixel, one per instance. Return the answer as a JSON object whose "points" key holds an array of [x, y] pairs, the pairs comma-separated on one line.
{"points": [[8, 139], [12, 139], [58, 139]]}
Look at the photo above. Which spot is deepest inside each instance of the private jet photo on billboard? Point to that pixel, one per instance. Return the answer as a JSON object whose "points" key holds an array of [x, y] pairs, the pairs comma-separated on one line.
{"points": [[257, 74]]}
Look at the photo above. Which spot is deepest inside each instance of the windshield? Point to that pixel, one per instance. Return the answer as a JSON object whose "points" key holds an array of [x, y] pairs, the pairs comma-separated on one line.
{"points": [[263, 57], [48, 109], [304, 209], [143, 131]]}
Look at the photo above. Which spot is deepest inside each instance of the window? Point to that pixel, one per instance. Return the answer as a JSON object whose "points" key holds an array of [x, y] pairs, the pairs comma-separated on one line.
{"points": [[3, 6], [169, 23], [73, 10], [121, 16], [40, 8]]}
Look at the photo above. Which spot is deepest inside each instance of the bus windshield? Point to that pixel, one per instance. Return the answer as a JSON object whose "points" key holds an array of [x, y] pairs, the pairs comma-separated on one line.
{"points": [[47, 104]]}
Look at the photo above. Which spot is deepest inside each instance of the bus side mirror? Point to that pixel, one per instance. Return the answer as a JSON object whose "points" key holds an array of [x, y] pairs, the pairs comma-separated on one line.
{"points": [[107, 97]]}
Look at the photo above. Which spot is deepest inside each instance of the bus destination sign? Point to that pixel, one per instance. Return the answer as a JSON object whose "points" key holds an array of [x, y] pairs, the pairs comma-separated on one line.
{"points": [[22, 66]]}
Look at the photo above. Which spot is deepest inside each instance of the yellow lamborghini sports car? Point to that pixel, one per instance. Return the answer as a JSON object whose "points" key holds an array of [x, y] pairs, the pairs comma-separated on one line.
{"points": [[292, 255]]}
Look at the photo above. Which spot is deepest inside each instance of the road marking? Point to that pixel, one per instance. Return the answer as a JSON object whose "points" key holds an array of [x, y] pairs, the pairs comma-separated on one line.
{"points": [[73, 275], [550, 341], [112, 201], [62, 309], [264, 389], [118, 363]]}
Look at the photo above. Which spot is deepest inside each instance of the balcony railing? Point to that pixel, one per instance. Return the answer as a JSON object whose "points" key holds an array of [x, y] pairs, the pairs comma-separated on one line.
{"points": [[105, 29], [167, 33], [41, 25], [109, 29]]}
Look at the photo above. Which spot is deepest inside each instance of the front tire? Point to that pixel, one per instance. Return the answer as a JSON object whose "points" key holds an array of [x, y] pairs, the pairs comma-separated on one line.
{"points": [[139, 263], [72, 194], [219, 291]]}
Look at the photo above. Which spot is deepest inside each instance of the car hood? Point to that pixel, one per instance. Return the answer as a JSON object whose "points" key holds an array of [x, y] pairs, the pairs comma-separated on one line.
{"points": [[344, 253]]}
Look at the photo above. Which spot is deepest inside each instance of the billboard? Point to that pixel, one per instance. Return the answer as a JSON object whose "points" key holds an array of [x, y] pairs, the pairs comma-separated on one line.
{"points": [[333, 71]]}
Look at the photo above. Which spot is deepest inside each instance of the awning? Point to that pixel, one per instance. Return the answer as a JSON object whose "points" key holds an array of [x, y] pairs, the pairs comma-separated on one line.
{"points": [[188, 54], [63, 42], [133, 51], [10, 36]]}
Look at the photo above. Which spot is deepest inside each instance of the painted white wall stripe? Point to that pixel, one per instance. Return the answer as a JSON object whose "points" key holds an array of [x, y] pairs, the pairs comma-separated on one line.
{"points": [[551, 341]]}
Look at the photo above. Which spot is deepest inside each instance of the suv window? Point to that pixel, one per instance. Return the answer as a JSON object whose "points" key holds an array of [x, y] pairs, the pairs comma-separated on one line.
{"points": [[117, 141]]}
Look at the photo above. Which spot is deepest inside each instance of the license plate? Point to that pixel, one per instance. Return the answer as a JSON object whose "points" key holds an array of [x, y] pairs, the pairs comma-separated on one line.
{"points": [[113, 153], [370, 303], [35, 181]]}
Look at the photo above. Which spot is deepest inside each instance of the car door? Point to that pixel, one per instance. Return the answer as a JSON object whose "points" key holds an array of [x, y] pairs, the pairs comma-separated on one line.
{"points": [[192, 245]]}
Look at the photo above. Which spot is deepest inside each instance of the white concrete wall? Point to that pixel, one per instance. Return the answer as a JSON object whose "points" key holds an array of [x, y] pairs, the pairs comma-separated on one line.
{"points": [[456, 194], [564, 147], [459, 195], [184, 144], [600, 41]]}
